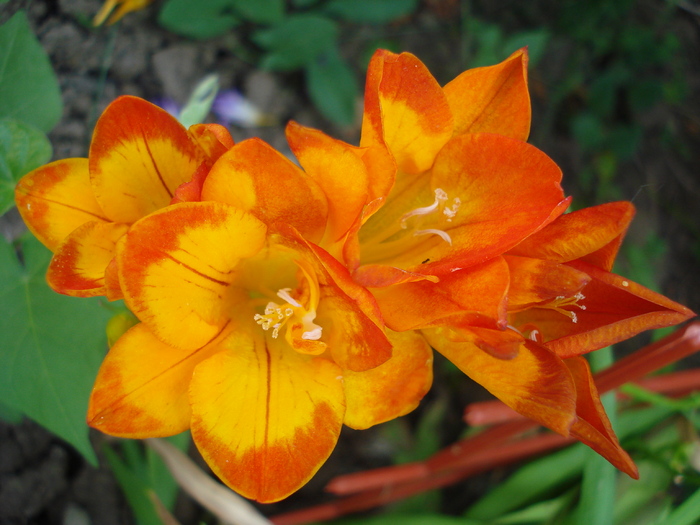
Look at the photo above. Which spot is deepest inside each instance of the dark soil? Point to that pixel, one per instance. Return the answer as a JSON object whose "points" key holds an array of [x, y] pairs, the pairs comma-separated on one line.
{"points": [[42, 480]]}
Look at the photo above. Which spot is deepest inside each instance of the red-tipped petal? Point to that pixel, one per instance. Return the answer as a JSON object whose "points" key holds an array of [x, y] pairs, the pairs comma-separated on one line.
{"points": [[535, 383], [141, 390], [265, 417], [593, 426], [79, 264], [177, 267], [57, 198], [139, 155]]}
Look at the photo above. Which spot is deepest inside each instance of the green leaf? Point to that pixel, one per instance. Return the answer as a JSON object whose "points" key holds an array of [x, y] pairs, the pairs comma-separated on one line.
{"points": [[407, 519], [135, 489], [304, 3], [199, 103], [687, 513], [22, 149], [52, 346], [635, 498], [332, 87], [199, 20], [370, 11], [260, 11], [28, 87], [296, 42]]}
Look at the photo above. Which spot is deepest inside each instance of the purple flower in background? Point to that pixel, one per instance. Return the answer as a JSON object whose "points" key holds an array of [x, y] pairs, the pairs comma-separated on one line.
{"points": [[230, 107]]}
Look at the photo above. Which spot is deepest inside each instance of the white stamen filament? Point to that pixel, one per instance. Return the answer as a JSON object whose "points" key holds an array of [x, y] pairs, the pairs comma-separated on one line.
{"points": [[284, 294], [431, 231], [440, 196]]}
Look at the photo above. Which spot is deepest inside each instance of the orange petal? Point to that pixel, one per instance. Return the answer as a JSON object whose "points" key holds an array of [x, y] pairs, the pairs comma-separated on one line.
{"points": [[615, 309], [254, 177], [592, 234], [535, 383], [265, 417], [214, 139], [176, 267], [191, 191], [478, 294], [508, 190], [535, 281], [113, 290], [593, 426], [415, 118], [380, 275], [57, 198], [78, 266], [142, 387], [492, 99], [392, 389], [139, 155], [372, 131], [338, 169]]}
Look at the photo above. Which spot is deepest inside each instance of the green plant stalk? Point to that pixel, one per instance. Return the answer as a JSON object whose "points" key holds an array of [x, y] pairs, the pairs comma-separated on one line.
{"points": [[638, 393]]}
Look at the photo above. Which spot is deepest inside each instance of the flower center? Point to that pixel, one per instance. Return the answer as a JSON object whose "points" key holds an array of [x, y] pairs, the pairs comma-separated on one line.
{"points": [[300, 308], [399, 237]]}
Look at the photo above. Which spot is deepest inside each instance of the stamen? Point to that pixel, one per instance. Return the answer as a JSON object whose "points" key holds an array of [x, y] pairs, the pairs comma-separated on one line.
{"points": [[431, 231], [560, 302], [440, 197], [284, 294], [274, 313], [276, 316]]}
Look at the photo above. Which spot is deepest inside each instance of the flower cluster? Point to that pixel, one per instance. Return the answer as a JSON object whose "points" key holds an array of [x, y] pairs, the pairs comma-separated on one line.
{"points": [[278, 303]]}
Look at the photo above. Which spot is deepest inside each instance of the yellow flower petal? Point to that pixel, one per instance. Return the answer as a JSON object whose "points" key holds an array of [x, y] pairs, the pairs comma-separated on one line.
{"points": [[409, 107], [338, 169], [177, 267], [475, 295], [139, 155], [142, 387], [57, 198], [265, 417]]}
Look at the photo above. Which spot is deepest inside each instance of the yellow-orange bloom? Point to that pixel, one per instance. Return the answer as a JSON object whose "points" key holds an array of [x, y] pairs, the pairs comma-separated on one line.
{"points": [[253, 337], [79, 208]]}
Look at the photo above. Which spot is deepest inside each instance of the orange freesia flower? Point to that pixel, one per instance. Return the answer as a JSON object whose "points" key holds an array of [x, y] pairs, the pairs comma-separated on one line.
{"points": [[79, 208], [562, 302], [252, 336], [125, 6], [446, 184], [445, 229]]}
